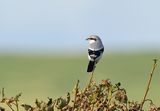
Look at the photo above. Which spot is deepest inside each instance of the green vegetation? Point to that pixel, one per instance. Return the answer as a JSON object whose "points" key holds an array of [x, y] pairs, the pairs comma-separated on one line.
{"points": [[42, 77]]}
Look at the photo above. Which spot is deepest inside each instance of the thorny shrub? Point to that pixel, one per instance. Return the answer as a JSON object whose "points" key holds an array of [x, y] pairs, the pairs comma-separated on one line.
{"points": [[104, 96]]}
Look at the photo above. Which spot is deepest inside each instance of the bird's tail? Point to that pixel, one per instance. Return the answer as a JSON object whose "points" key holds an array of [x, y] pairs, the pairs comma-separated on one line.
{"points": [[91, 66]]}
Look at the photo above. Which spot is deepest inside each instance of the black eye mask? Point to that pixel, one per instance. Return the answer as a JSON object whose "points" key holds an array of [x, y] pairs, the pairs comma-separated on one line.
{"points": [[93, 39]]}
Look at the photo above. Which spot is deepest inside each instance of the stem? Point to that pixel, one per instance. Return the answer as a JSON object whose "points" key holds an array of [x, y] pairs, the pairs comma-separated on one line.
{"points": [[125, 105], [149, 83], [3, 95], [75, 96], [10, 107], [90, 81], [17, 106], [91, 78], [92, 109]]}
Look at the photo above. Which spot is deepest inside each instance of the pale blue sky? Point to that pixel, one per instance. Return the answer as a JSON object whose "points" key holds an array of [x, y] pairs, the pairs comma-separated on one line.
{"points": [[49, 25]]}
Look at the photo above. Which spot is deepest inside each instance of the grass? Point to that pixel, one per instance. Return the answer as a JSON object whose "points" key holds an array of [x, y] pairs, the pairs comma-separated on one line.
{"points": [[53, 76]]}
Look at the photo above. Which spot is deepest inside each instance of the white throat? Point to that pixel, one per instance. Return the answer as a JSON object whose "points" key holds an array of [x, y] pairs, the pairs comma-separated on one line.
{"points": [[91, 41]]}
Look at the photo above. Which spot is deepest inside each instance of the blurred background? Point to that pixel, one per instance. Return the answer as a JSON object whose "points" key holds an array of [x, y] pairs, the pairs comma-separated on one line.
{"points": [[43, 49]]}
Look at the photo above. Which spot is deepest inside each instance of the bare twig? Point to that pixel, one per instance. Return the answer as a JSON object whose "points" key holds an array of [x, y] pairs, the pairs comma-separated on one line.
{"points": [[149, 83], [91, 78], [89, 81], [17, 106], [3, 95], [75, 95], [10, 107]]}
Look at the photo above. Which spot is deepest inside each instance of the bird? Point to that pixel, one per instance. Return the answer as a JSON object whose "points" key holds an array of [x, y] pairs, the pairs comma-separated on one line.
{"points": [[95, 51]]}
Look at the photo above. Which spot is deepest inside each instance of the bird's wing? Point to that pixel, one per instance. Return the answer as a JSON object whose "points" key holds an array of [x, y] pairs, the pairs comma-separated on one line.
{"points": [[95, 54]]}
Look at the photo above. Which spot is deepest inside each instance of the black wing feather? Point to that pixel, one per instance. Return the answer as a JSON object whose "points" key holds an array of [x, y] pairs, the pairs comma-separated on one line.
{"points": [[95, 54]]}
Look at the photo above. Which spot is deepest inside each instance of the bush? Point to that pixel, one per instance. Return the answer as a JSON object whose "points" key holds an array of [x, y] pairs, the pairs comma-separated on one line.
{"points": [[104, 96]]}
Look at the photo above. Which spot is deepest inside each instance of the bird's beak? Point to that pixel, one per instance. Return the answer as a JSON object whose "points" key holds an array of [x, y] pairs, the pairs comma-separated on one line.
{"points": [[87, 38]]}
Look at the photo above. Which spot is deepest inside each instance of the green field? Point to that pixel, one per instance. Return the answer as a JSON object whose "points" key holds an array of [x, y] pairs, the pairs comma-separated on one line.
{"points": [[52, 76]]}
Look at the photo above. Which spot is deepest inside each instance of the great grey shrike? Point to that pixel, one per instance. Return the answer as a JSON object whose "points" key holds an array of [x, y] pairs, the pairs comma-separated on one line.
{"points": [[95, 51]]}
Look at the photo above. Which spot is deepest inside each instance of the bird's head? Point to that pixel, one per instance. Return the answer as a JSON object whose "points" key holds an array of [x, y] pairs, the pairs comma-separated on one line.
{"points": [[93, 38]]}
